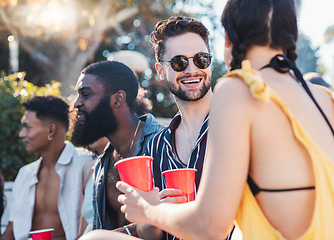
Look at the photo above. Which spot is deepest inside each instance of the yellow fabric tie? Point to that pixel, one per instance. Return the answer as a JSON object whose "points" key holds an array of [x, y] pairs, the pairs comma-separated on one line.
{"points": [[253, 79]]}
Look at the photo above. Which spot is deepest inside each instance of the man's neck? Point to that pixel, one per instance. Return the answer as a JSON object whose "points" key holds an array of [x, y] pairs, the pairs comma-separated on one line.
{"points": [[51, 155], [129, 131], [194, 113]]}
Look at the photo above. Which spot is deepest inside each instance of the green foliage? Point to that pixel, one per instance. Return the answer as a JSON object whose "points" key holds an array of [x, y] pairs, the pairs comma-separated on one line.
{"points": [[14, 90]]}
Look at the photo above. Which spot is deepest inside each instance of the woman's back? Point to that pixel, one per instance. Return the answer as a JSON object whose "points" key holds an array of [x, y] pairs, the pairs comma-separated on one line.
{"points": [[290, 143], [278, 158]]}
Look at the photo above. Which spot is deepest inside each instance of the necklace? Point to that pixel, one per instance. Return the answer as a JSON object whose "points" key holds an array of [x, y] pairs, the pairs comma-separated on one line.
{"points": [[133, 139]]}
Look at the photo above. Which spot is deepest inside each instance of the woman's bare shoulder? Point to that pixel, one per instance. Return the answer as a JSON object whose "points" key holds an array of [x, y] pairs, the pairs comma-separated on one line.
{"points": [[234, 91]]}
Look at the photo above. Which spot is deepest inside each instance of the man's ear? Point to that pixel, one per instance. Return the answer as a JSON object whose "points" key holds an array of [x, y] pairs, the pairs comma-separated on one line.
{"points": [[117, 99], [52, 130], [159, 70], [52, 127]]}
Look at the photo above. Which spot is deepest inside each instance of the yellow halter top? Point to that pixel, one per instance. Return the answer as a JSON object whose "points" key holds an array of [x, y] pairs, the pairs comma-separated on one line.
{"points": [[250, 218]]}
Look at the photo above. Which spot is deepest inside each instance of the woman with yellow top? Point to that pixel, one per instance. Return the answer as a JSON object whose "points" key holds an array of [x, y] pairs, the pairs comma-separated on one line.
{"points": [[270, 159]]}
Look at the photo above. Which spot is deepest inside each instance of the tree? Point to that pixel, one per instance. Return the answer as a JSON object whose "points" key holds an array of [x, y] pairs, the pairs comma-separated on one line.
{"points": [[14, 90], [58, 49], [62, 36], [329, 34]]}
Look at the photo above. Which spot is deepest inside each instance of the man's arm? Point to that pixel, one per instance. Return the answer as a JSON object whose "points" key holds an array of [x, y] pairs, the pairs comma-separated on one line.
{"points": [[150, 232], [83, 225], [8, 234]]}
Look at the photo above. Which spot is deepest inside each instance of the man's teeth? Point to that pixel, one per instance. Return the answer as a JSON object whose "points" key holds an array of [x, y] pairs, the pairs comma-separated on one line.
{"points": [[191, 82]]}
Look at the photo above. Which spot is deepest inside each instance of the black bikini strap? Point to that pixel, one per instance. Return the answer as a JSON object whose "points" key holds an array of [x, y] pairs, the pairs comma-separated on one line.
{"points": [[282, 64], [256, 189]]}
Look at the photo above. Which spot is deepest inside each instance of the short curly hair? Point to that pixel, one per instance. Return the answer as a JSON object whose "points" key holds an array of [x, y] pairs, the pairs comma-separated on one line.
{"points": [[49, 107], [175, 26]]}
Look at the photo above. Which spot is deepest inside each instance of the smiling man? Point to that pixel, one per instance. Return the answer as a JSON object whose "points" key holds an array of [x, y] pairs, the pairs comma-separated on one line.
{"points": [[183, 60], [48, 192]]}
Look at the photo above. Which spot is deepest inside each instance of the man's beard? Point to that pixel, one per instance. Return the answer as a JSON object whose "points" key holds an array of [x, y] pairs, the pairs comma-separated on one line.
{"points": [[98, 123], [191, 94]]}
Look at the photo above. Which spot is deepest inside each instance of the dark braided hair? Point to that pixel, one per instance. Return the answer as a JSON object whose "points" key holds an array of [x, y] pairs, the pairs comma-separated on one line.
{"points": [[270, 23], [175, 26]]}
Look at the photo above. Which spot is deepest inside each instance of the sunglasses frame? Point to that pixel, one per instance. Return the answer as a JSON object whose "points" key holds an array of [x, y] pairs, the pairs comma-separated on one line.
{"points": [[196, 56]]}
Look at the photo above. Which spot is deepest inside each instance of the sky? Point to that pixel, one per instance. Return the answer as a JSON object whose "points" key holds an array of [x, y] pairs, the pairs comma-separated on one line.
{"points": [[315, 17]]}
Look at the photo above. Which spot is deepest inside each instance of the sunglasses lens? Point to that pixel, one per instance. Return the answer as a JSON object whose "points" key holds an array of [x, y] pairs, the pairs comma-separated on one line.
{"points": [[202, 60], [179, 63]]}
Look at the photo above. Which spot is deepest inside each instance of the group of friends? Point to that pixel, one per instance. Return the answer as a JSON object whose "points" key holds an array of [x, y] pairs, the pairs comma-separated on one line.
{"points": [[262, 143]]}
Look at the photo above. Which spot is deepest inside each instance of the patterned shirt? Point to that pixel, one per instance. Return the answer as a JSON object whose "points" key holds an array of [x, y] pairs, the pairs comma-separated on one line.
{"points": [[160, 148]]}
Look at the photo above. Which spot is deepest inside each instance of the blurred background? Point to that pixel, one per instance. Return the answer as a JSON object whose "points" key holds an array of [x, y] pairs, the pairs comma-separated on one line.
{"points": [[44, 44]]}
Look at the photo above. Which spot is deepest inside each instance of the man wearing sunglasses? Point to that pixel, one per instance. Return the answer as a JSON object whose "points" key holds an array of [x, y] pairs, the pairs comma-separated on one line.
{"points": [[183, 60]]}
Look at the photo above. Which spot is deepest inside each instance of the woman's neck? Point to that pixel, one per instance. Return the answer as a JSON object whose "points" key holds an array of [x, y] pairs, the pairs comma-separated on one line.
{"points": [[260, 56]]}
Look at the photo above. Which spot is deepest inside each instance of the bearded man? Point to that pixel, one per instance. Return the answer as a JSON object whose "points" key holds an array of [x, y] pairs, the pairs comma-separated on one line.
{"points": [[106, 107]]}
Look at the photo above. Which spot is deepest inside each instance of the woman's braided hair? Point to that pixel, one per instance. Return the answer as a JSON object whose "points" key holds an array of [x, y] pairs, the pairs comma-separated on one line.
{"points": [[270, 23]]}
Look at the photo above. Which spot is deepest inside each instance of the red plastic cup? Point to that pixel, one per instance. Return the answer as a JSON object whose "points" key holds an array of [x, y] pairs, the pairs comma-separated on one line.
{"points": [[136, 171], [183, 179], [43, 234]]}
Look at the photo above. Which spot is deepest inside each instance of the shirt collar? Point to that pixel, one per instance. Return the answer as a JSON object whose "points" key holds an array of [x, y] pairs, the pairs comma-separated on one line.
{"points": [[151, 125], [64, 159], [67, 153], [176, 122]]}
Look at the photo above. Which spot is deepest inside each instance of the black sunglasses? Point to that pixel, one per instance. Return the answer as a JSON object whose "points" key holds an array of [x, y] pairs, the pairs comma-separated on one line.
{"points": [[179, 63]]}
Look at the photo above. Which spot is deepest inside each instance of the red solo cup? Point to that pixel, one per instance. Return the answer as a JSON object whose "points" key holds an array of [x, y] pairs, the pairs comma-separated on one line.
{"points": [[183, 179], [136, 171], [44, 234]]}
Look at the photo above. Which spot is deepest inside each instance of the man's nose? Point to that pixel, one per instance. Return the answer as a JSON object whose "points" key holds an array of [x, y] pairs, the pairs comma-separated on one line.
{"points": [[191, 66], [22, 133], [78, 102]]}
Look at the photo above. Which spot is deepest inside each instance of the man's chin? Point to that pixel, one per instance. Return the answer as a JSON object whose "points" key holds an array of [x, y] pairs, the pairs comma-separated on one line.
{"points": [[33, 151], [28, 150], [83, 140]]}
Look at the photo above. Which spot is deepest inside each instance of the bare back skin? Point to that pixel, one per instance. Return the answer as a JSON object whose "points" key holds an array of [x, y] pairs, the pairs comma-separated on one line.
{"points": [[46, 203], [285, 160], [262, 142]]}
